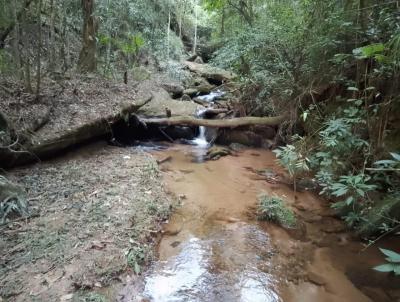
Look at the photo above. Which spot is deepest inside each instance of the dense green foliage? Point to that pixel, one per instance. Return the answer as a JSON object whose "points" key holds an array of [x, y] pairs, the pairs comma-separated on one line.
{"points": [[335, 66]]}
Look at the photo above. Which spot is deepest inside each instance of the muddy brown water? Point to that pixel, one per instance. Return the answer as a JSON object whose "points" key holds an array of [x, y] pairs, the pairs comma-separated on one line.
{"points": [[214, 249]]}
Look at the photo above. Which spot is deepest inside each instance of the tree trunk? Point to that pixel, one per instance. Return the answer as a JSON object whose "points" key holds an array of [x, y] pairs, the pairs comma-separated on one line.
{"points": [[222, 34], [39, 50], [17, 55], [52, 46], [63, 52], [168, 31], [180, 24], [28, 81], [87, 57], [228, 123], [195, 30]]}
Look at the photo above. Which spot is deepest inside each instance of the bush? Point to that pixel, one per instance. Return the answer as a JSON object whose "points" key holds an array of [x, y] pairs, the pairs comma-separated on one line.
{"points": [[12, 200], [273, 208]]}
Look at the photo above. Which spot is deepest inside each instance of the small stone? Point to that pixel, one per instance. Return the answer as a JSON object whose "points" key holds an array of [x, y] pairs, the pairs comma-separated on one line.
{"points": [[98, 284], [175, 244], [198, 60], [65, 297]]}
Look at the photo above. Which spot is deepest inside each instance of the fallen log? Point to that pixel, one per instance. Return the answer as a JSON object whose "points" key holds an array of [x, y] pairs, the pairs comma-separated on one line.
{"points": [[81, 134], [227, 123]]}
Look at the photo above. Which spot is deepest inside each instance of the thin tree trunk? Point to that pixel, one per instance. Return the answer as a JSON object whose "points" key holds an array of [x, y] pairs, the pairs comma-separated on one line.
{"points": [[222, 34], [52, 47], [28, 81], [180, 24], [108, 54], [87, 57], [195, 30], [63, 52], [168, 31], [17, 55], [25, 61], [38, 66]]}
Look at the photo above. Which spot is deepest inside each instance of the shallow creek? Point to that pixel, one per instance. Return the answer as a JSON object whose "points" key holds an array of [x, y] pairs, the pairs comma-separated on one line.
{"points": [[214, 249]]}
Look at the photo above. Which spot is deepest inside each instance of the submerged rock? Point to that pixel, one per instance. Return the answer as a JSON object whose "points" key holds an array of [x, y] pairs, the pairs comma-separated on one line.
{"points": [[216, 152]]}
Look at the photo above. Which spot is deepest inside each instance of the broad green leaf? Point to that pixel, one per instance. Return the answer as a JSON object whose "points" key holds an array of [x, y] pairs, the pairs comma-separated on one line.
{"points": [[385, 162], [352, 88], [396, 156], [349, 200], [393, 256], [384, 268], [369, 51]]}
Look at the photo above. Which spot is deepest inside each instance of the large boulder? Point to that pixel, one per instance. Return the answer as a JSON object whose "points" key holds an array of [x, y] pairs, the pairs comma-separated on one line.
{"points": [[175, 90], [212, 74], [162, 100], [257, 136]]}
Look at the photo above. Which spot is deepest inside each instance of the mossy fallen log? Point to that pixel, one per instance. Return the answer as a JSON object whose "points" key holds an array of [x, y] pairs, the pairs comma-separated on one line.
{"points": [[226, 123], [93, 129]]}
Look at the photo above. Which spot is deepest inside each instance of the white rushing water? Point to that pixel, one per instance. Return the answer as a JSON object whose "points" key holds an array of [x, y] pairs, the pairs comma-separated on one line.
{"points": [[212, 96], [201, 139]]}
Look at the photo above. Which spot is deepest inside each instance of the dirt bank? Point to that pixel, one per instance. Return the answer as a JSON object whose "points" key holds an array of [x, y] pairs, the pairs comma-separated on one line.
{"points": [[96, 214]]}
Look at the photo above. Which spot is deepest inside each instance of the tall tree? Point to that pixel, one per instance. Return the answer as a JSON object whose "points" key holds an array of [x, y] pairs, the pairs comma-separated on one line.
{"points": [[39, 50], [87, 57]]}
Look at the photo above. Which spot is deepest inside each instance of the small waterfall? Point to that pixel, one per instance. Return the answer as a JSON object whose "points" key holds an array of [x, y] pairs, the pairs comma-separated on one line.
{"points": [[201, 139]]}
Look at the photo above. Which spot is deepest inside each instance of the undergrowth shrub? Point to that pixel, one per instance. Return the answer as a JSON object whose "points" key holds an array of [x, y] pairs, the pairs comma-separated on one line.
{"points": [[12, 200], [273, 208]]}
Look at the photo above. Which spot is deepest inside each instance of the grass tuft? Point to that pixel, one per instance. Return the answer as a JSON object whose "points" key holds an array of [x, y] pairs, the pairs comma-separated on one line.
{"points": [[273, 208]]}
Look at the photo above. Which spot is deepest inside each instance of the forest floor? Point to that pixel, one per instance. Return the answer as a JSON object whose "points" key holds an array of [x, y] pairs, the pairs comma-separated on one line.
{"points": [[96, 216]]}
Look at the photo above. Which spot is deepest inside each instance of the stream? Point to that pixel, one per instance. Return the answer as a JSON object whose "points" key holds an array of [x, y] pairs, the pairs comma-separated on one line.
{"points": [[214, 249]]}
